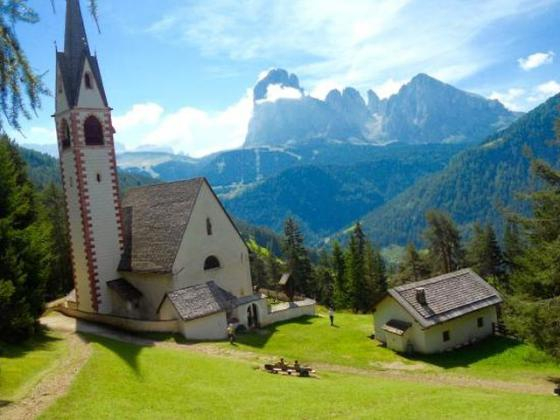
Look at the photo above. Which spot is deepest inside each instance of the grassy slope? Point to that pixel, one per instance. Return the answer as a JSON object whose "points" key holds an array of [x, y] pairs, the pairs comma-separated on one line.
{"points": [[22, 366], [125, 381], [313, 340]]}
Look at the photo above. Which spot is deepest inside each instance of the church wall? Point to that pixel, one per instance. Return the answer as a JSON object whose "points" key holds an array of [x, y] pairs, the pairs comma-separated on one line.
{"points": [[153, 288], [212, 327], [234, 273]]}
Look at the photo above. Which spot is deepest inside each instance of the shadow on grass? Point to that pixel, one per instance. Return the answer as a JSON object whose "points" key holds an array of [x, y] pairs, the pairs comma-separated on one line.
{"points": [[40, 341], [258, 338], [126, 351], [468, 355]]}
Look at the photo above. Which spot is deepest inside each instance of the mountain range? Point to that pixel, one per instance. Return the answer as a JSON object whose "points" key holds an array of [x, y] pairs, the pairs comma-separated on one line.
{"points": [[385, 162]]}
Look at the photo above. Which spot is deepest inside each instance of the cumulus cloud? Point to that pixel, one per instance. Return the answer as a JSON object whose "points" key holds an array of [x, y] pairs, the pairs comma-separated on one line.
{"points": [[389, 87], [518, 99], [536, 60], [187, 130], [512, 98], [322, 89], [549, 88]]}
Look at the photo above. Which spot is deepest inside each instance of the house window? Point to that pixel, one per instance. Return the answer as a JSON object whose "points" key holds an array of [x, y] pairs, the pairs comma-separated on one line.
{"points": [[87, 79], [446, 336], [98, 177], [208, 226], [93, 132], [65, 135], [480, 322], [211, 263]]}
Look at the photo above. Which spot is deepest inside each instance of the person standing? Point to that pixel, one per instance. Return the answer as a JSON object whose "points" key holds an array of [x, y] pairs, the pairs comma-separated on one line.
{"points": [[331, 315], [231, 333]]}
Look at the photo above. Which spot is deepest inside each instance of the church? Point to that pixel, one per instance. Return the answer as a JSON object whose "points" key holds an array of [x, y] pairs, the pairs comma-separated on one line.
{"points": [[167, 257]]}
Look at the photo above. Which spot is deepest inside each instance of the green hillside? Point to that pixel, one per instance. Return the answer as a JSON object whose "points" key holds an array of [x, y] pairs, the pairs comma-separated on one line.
{"points": [[475, 184]]}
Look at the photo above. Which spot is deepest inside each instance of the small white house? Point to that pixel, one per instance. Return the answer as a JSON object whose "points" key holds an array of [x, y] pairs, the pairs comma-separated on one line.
{"points": [[438, 314]]}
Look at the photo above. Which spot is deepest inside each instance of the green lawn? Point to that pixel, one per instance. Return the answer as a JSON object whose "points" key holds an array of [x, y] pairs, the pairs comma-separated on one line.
{"points": [[129, 382], [312, 339], [23, 365]]}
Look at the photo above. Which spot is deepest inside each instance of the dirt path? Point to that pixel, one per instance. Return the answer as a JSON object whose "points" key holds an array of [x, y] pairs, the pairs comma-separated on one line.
{"points": [[61, 322], [53, 385]]}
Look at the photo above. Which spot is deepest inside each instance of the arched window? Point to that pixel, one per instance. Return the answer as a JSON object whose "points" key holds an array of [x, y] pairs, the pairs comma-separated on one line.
{"points": [[208, 226], [65, 134], [211, 262], [87, 80], [93, 132]]}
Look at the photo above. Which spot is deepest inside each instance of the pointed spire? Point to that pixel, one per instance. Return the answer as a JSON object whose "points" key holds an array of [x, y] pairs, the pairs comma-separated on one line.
{"points": [[75, 38]]}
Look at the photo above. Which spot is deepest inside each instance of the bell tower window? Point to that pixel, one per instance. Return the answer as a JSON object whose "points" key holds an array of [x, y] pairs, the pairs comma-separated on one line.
{"points": [[208, 226], [65, 135], [211, 263], [93, 132], [87, 80]]}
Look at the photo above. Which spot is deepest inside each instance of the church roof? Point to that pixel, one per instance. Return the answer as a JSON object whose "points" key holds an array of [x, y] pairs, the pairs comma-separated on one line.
{"points": [[446, 297], [201, 300], [155, 218], [76, 52]]}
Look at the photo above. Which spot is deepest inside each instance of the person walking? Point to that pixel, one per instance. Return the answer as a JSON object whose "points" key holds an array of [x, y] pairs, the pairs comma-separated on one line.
{"points": [[231, 333], [331, 315]]}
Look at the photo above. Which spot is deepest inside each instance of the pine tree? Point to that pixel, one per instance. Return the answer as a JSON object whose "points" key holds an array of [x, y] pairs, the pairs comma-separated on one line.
{"points": [[412, 267], [513, 246], [340, 294], [444, 242], [376, 275], [23, 252], [297, 260], [484, 254], [356, 270], [534, 311], [273, 268]]}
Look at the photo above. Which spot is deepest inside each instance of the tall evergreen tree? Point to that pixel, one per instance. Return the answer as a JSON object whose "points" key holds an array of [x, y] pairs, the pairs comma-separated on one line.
{"points": [[340, 295], [356, 270], [444, 242], [534, 310], [513, 246], [412, 267], [23, 251], [484, 254], [376, 275], [297, 259]]}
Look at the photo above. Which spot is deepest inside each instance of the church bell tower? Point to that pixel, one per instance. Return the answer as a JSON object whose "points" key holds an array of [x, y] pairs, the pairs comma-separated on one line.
{"points": [[88, 167]]}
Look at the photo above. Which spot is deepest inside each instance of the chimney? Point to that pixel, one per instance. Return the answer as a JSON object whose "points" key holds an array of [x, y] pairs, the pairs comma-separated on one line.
{"points": [[421, 295]]}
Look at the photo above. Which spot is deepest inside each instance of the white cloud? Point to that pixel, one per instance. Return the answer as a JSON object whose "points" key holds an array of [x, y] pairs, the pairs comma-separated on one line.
{"points": [[512, 98], [359, 43], [141, 114], [275, 92], [536, 60], [518, 99], [389, 87], [193, 131], [34, 135], [549, 88]]}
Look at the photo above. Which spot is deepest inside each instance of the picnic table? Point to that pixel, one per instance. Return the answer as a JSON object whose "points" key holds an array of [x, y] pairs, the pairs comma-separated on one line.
{"points": [[289, 370]]}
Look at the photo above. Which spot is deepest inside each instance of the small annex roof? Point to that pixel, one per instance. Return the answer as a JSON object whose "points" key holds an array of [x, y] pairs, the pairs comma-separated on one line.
{"points": [[201, 300], [397, 327], [447, 296], [125, 290], [155, 218]]}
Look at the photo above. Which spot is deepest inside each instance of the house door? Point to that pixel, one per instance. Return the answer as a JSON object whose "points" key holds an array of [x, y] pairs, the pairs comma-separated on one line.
{"points": [[255, 315]]}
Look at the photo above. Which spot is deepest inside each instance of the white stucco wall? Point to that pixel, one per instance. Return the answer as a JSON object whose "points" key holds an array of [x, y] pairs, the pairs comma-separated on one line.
{"points": [[234, 275], [212, 327], [89, 98], [153, 288], [288, 310], [463, 330]]}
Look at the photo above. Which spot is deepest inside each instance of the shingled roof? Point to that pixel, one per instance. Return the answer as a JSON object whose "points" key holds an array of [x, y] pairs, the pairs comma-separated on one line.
{"points": [[447, 296], [155, 218], [201, 300]]}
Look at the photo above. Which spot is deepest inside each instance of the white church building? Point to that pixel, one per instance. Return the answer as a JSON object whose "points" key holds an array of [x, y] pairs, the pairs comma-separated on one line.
{"points": [[166, 258]]}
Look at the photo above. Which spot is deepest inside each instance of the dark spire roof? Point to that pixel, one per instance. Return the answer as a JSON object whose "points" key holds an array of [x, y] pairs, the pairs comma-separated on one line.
{"points": [[76, 52]]}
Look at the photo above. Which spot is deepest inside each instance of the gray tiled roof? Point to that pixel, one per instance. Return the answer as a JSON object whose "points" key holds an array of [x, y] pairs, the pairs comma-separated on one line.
{"points": [[447, 296], [201, 300], [154, 221], [125, 290], [396, 326]]}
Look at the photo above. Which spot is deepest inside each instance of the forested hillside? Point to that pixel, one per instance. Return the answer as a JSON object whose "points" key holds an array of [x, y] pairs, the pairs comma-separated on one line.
{"points": [[476, 184]]}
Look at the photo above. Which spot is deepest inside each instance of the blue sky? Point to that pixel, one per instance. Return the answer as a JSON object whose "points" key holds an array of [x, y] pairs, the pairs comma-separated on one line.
{"points": [[178, 73]]}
